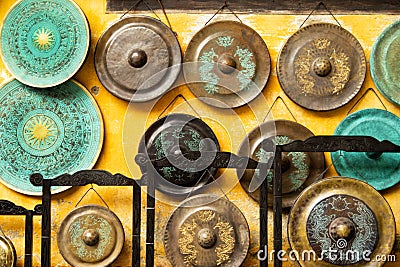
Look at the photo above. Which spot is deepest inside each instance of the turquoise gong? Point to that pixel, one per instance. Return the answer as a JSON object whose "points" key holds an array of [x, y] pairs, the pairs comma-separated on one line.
{"points": [[44, 42], [380, 170]]}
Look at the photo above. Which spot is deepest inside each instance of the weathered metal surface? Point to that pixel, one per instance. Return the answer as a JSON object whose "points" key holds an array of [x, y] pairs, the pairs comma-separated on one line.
{"points": [[44, 43], [208, 231], [178, 134], [380, 170], [345, 216], [8, 256], [321, 67], [230, 64], [90, 235], [51, 131], [137, 58], [299, 169], [384, 62]]}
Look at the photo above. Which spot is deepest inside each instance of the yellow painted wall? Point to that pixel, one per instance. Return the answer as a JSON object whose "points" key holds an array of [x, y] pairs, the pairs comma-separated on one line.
{"points": [[275, 29]]}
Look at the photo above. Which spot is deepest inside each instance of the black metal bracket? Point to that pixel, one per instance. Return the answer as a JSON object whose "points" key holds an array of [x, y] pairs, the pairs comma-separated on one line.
{"points": [[9, 208]]}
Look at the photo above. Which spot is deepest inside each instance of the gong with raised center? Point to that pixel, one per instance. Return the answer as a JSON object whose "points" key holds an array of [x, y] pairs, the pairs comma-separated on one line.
{"points": [[90, 235], [206, 231], [227, 64], [138, 58], [384, 62], [180, 134], [344, 221], [321, 67], [299, 169], [380, 170], [51, 131], [8, 256], [43, 42]]}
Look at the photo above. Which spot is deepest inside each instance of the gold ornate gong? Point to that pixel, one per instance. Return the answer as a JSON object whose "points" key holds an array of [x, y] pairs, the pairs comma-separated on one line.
{"points": [[8, 256], [341, 221], [321, 67]]}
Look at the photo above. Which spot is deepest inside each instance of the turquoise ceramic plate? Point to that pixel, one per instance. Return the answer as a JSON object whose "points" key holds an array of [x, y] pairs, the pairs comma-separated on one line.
{"points": [[44, 42], [52, 131], [381, 172], [385, 63]]}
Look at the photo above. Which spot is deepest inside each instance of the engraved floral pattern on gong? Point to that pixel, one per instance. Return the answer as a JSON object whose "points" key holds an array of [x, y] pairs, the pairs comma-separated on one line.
{"points": [[297, 176], [207, 69], [338, 61]]}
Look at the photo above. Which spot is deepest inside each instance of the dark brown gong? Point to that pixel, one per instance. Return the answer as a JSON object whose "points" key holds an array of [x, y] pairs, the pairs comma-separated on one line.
{"points": [[299, 169], [138, 58], [227, 64], [321, 67], [206, 231], [345, 216]]}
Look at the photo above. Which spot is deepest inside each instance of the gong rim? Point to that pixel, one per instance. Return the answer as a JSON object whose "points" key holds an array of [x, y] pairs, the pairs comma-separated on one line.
{"points": [[341, 186], [293, 131], [220, 206], [359, 165], [52, 112], [341, 87], [258, 81], [380, 68], [11, 254], [139, 94], [43, 82], [150, 137], [106, 214]]}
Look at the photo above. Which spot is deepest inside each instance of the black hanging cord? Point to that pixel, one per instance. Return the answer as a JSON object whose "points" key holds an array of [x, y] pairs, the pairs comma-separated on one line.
{"points": [[315, 9], [273, 104], [225, 5], [173, 101], [363, 95]]}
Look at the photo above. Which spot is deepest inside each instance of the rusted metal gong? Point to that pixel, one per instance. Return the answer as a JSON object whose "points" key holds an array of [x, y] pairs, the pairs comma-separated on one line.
{"points": [[8, 256], [90, 235], [138, 58], [344, 221], [227, 64], [206, 231], [321, 67], [299, 169]]}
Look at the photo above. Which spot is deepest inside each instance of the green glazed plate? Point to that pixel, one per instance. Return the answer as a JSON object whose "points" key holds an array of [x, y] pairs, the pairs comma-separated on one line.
{"points": [[44, 42], [51, 131], [385, 63], [381, 172]]}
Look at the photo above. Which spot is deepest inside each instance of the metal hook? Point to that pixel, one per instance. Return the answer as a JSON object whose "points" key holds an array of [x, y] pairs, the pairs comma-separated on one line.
{"points": [[273, 104], [362, 96], [317, 7], [87, 191], [173, 102]]}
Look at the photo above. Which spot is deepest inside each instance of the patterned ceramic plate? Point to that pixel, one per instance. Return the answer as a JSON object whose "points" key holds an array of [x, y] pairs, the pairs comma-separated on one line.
{"points": [[52, 131], [44, 42]]}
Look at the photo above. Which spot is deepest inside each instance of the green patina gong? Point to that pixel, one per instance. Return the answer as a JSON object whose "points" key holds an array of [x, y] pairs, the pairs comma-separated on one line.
{"points": [[44, 42], [379, 170], [385, 63], [51, 131]]}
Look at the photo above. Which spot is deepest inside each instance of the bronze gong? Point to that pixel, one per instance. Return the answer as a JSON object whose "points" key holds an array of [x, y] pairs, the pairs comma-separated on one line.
{"points": [[89, 236], [206, 231], [321, 67], [8, 256], [227, 64], [138, 58], [344, 221]]}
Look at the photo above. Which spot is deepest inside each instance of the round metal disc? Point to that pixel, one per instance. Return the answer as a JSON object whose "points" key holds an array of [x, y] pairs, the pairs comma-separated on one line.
{"points": [[345, 216], [178, 134], [227, 64], [138, 58], [8, 256], [299, 169], [90, 235], [51, 131], [44, 43], [206, 231], [321, 67], [384, 63], [379, 170]]}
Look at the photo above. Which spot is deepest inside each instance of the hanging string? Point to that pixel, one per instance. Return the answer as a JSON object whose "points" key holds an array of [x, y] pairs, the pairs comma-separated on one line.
{"points": [[133, 7], [317, 7], [363, 95], [207, 171], [87, 191], [284, 103], [225, 5], [173, 102], [165, 15]]}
